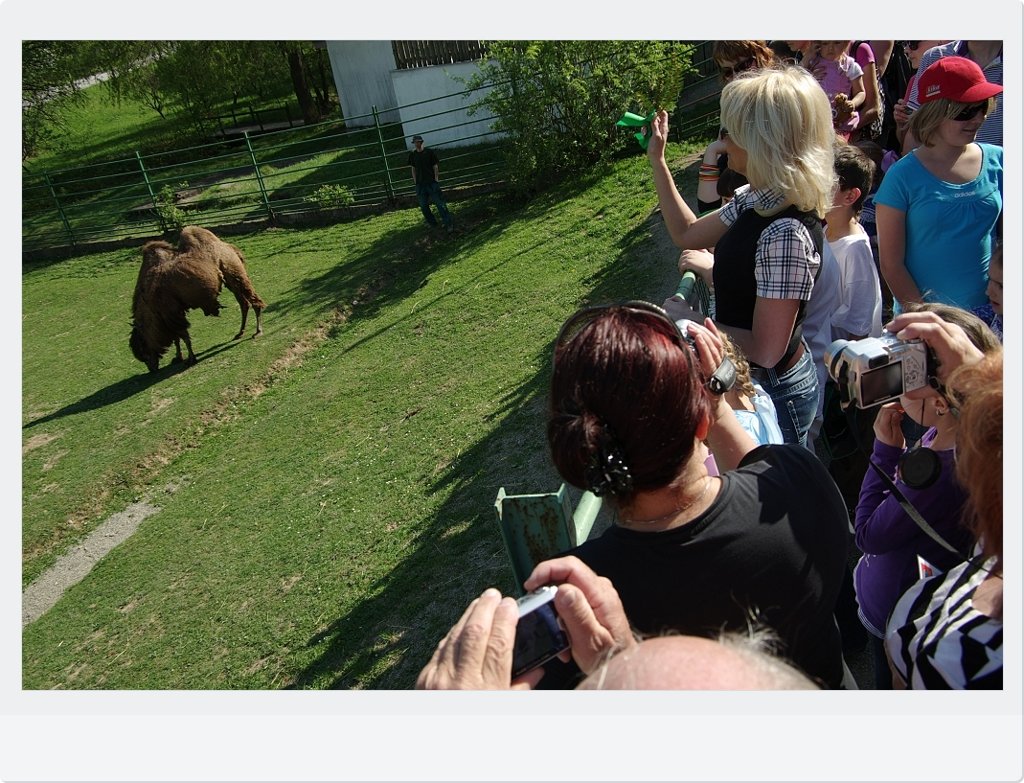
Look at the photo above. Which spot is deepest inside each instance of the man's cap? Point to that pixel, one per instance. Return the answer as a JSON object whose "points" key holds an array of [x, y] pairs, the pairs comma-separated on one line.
{"points": [[417, 138], [957, 79]]}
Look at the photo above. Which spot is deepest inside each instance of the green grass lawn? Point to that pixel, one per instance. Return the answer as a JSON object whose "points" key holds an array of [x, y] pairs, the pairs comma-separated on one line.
{"points": [[333, 481]]}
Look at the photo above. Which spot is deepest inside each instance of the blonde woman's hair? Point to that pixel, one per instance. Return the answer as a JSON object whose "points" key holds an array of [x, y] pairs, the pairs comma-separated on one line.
{"points": [[925, 122], [783, 119]]}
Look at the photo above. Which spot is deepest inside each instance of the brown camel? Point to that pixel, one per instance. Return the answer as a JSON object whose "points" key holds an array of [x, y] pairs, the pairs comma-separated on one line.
{"points": [[173, 281]]}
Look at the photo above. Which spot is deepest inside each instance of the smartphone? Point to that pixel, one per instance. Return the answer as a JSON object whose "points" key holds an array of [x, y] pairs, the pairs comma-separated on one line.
{"points": [[539, 634]]}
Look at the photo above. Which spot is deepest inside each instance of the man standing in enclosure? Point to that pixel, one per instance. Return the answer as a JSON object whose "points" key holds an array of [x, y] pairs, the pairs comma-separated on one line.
{"points": [[424, 166]]}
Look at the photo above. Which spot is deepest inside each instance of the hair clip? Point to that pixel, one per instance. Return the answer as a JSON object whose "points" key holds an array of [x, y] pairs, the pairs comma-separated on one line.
{"points": [[608, 472]]}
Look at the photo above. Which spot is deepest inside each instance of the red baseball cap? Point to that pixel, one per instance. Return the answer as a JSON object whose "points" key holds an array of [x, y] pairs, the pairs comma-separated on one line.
{"points": [[956, 78]]}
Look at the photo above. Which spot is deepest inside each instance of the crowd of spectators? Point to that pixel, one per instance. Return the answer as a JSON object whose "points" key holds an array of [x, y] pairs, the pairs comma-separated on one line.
{"points": [[845, 190]]}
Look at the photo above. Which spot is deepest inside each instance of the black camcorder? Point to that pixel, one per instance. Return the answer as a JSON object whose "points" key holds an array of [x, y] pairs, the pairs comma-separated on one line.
{"points": [[876, 370]]}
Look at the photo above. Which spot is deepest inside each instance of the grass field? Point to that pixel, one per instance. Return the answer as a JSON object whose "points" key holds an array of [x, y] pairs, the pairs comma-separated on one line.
{"points": [[327, 490]]}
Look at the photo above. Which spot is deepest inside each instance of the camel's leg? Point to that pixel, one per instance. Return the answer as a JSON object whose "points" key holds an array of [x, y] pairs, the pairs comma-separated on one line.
{"points": [[259, 320], [242, 303], [237, 282], [188, 344]]}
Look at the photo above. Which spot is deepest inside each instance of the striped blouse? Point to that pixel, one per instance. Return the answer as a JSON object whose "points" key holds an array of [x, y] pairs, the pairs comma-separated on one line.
{"points": [[937, 639]]}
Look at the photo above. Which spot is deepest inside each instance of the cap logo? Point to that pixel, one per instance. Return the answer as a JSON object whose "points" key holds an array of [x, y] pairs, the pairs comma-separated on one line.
{"points": [[932, 89]]}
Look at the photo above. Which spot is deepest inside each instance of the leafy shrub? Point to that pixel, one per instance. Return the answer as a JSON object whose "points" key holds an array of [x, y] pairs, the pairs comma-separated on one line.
{"points": [[331, 197], [167, 207], [558, 101]]}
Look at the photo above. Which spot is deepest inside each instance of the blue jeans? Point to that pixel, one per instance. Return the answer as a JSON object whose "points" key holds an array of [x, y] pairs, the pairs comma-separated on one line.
{"points": [[432, 192], [795, 394]]}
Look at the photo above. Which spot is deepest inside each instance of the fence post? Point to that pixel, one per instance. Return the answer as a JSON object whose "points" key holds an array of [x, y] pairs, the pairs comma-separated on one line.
{"points": [[152, 196], [60, 210], [259, 177], [388, 185]]}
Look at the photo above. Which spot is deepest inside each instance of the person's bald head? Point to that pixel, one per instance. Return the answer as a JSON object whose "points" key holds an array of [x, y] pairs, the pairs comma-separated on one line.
{"points": [[693, 663]]}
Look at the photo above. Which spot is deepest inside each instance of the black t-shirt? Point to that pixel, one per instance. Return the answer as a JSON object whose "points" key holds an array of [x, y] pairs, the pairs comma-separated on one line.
{"points": [[423, 162], [772, 545]]}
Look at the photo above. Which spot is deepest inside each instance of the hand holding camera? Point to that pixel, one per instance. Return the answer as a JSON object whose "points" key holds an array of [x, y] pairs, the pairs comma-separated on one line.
{"points": [[876, 370], [496, 636], [476, 654], [947, 342], [590, 610]]}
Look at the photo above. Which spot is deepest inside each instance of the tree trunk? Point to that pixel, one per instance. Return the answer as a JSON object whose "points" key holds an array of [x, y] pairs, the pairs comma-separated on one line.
{"points": [[306, 103]]}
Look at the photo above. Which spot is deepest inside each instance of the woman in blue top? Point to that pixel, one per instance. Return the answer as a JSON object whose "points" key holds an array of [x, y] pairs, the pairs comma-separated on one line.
{"points": [[937, 208]]}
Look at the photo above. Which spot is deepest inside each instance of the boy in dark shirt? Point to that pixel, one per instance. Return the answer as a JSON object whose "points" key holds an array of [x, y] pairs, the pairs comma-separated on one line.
{"points": [[424, 165]]}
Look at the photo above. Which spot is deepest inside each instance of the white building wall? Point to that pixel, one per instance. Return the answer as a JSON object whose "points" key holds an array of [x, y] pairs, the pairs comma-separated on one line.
{"points": [[433, 103], [362, 76]]}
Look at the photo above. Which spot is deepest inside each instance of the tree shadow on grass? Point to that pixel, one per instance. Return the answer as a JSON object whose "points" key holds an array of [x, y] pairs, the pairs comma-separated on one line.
{"points": [[386, 639], [396, 265]]}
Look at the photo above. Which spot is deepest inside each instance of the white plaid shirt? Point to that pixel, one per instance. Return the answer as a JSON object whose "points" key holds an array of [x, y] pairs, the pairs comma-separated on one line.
{"points": [[786, 261]]}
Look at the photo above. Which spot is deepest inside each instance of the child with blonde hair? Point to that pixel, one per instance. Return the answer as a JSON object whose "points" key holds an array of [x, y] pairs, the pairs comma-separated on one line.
{"points": [[754, 409]]}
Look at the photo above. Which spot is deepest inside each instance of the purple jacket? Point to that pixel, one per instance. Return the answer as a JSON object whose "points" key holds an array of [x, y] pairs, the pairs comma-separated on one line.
{"points": [[891, 540]]}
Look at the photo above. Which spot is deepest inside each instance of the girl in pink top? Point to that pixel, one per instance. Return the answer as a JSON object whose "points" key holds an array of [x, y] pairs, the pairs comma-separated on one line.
{"points": [[842, 79]]}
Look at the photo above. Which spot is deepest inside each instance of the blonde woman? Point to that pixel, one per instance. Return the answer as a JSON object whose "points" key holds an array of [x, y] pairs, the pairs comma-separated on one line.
{"points": [[768, 240]]}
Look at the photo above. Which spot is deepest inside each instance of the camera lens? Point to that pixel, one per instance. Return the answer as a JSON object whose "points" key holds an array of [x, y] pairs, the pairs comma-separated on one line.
{"points": [[832, 354]]}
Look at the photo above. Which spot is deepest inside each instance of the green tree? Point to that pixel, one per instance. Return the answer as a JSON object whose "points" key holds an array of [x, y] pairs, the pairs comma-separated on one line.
{"points": [[558, 101], [49, 70], [196, 78]]}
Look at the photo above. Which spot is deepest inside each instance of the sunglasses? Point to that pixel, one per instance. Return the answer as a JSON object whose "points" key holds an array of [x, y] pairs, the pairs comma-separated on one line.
{"points": [[971, 112], [721, 381], [738, 68], [911, 45]]}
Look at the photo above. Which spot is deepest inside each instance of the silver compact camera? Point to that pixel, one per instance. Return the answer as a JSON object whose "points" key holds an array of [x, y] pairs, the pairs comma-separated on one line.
{"points": [[539, 633], [878, 369]]}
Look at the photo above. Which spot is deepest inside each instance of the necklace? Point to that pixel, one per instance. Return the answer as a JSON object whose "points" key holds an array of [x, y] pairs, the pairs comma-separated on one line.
{"points": [[675, 512]]}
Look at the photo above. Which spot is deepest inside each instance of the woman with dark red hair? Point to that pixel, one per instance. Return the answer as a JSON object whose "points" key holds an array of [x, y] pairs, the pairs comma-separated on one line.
{"points": [[632, 404]]}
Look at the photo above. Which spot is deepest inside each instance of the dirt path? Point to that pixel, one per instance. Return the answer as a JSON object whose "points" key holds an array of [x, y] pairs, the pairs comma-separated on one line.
{"points": [[40, 596]]}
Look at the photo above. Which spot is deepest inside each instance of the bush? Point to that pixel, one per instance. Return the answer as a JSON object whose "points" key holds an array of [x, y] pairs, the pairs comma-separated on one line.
{"points": [[558, 101], [167, 207], [331, 197]]}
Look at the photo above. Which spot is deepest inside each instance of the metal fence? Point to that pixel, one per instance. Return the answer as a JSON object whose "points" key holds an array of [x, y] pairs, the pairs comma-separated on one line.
{"points": [[329, 170], [322, 172]]}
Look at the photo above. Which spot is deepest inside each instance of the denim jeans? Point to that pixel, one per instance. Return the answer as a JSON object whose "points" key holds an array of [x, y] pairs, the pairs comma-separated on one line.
{"points": [[428, 192], [795, 394]]}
